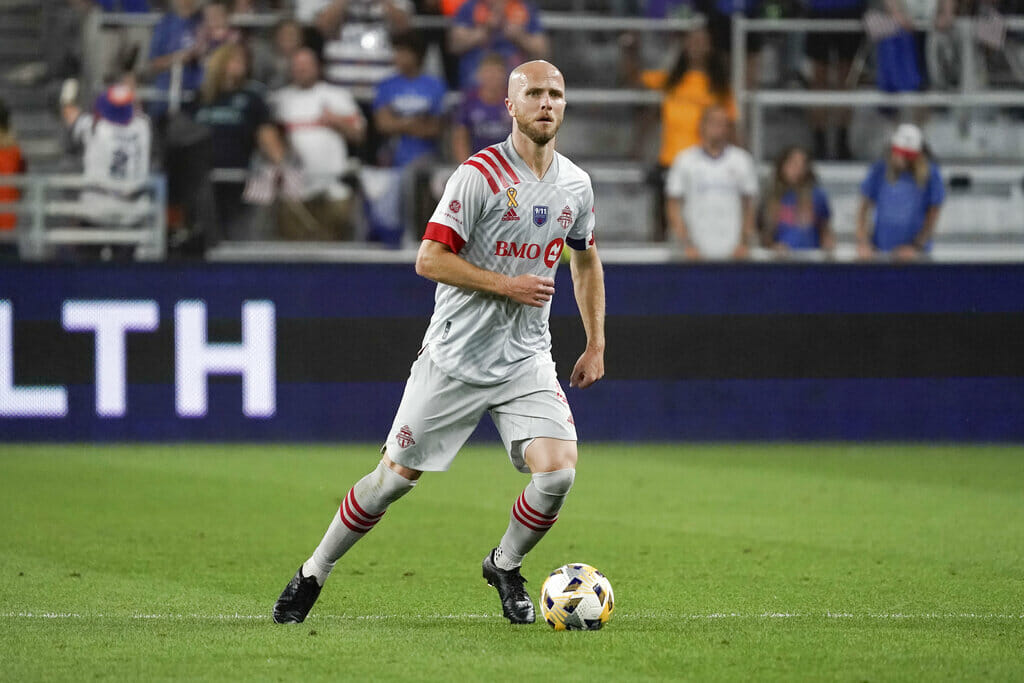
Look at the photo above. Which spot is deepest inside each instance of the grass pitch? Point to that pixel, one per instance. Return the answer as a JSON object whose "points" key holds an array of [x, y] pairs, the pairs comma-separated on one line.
{"points": [[729, 562]]}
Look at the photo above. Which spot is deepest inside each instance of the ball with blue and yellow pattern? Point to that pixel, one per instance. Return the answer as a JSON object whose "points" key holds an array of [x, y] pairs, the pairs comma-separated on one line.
{"points": [[576, 597]]}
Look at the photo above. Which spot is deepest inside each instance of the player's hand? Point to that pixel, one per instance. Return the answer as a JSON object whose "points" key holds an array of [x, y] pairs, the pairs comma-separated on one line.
{"points": [[865, 252], [741, 252], [588, 369], [531, 290]]}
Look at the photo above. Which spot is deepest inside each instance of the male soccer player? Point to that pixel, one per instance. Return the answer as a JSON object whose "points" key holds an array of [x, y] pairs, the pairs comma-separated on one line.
{"points": [[492, 245]]}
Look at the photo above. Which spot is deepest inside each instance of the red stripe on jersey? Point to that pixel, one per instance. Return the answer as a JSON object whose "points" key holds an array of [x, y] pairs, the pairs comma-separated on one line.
{"points": [[487, 175], [438, 232], [497, 171], [504, 164], [494, 164]]}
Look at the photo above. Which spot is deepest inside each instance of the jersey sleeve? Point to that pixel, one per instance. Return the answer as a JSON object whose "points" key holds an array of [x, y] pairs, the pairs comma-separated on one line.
{"points": [[460, 208], [581, 234], [676, 180]]}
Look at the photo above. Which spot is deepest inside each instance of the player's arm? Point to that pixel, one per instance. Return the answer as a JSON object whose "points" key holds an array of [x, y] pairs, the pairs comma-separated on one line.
{"points": [[864, 248], [588, 284], [436, 261]]}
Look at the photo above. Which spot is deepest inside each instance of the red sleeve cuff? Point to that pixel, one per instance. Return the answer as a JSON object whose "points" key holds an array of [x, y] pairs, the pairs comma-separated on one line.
{"points": [[445, 235]]}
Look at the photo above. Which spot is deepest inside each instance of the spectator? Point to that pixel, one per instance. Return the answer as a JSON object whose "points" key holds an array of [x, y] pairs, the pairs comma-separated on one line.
{"points": [[216, 29], [321, 121], [356, 36], [175, 40], [272, 62], [482, 119], [409, 109], [509, 27], [409, 106], [699, 79], [11, 163], [719, 14], [821, 48], [711, 189], [797, 213], [899, 61], [234, 110], [905, 192], [115, 141]]}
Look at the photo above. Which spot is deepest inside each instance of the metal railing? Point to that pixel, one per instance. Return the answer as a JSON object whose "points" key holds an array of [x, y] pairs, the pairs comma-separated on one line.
{"points": [[99, 214]]}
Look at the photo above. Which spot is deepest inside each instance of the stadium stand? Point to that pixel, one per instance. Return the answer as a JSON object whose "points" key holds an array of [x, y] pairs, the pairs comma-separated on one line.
{"points": [[973, 123]]}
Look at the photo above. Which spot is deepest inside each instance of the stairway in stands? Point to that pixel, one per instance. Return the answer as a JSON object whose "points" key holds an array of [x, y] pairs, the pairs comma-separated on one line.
{"points": [[29, 95]]}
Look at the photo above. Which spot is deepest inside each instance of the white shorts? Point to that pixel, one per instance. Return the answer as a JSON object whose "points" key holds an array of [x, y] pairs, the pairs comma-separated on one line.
{"points": [[438, 413]]}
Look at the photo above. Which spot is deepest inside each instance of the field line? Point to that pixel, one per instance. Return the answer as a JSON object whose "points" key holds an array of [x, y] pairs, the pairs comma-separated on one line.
{"points": [[869, 616]]}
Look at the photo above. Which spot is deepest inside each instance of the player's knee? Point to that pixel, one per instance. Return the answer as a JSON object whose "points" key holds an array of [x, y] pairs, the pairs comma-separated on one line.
{"points": [[548, 455], [400, 470], [555, 483]]}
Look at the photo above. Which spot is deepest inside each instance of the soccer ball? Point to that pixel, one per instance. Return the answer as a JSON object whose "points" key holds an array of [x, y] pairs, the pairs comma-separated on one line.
{"points": [[576, 597]]}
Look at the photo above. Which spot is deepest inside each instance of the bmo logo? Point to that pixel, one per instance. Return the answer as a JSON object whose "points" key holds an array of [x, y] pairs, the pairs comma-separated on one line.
{"points": [[195, 358], [531, 252]]}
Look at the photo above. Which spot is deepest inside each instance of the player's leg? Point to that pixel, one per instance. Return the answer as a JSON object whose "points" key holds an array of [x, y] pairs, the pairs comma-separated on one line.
{"points": [[552, 464], [363, 506], [538, 431], [436, 416]]}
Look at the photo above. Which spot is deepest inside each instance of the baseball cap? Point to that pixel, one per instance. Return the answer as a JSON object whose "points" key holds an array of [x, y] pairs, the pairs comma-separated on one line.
{"points": [[907, 140], [117, 104]]}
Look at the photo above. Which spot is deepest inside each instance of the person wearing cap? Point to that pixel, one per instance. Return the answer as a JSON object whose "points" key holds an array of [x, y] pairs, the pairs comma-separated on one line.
{"points": [[900, 200], [115, 142]]}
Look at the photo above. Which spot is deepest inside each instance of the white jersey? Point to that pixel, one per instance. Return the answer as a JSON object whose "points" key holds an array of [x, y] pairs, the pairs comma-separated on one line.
{"points": [[712, 189], [115, 159], [113, 152], [498, 216]]}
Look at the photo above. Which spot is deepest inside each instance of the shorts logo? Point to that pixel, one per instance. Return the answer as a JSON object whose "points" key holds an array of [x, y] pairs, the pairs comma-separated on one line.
{"points": [[455, 206], [510, 215], [540, 215], [404, 437], [565, 218], [511, 194]]}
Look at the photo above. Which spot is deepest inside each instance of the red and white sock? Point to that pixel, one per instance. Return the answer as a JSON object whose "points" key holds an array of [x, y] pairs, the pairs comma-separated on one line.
{"points": [[361, 509], [533, 513]]}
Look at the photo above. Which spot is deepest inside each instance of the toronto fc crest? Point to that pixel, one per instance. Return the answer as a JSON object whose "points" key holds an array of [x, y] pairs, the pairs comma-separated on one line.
{"points": [[404, 437]]}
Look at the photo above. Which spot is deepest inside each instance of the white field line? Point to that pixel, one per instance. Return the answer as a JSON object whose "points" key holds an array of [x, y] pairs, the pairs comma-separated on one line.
{"points": [[877, 616]]}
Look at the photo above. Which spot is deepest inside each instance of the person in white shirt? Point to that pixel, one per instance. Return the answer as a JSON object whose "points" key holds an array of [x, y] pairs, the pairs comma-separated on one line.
{"points": [[711, 192], [493, 245], [320, 121], [115, 142]]}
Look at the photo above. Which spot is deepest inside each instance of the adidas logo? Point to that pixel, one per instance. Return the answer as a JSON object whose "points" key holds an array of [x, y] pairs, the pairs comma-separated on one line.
{"points": [[510, 215]]}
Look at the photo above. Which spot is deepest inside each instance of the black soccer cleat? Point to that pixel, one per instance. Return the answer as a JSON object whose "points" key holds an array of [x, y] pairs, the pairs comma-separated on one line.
{"points": [[515, 601], [297, 598]]}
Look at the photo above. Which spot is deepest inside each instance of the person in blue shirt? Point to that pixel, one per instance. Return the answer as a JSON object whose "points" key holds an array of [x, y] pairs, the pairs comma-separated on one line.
{"points": [[482, 119], [509, 27], [796, 211], [905, 192], [409, 106], [175, 39]]}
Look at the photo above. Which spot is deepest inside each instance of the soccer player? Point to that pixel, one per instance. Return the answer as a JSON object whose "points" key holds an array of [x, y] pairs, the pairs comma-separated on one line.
{"points": [[492, 245]]}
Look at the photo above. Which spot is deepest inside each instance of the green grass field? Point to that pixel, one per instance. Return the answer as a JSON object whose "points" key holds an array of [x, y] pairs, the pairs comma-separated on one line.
{"points": [[811, 562]]}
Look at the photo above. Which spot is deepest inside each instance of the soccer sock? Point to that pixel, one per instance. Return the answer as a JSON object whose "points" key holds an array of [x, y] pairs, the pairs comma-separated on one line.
{"points": [[534, 512], [362, 508]]}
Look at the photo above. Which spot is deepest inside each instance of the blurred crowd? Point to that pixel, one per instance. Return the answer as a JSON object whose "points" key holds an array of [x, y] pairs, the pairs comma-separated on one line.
{"points": [[327, 123]]}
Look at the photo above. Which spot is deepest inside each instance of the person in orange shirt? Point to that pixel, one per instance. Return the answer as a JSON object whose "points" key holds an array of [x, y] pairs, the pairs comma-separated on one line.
{"points": [[11, 163], [698, 80]]}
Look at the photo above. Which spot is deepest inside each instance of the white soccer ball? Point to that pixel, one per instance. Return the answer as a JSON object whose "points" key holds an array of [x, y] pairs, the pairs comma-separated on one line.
{"points": [[576, 597]]}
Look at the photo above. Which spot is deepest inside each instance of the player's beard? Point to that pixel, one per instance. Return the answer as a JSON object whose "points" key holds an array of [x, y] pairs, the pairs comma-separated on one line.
{"points": [[538, 136]]}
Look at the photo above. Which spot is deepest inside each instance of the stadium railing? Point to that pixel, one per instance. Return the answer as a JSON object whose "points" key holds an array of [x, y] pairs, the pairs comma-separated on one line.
{"points": [[52, 214]]}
